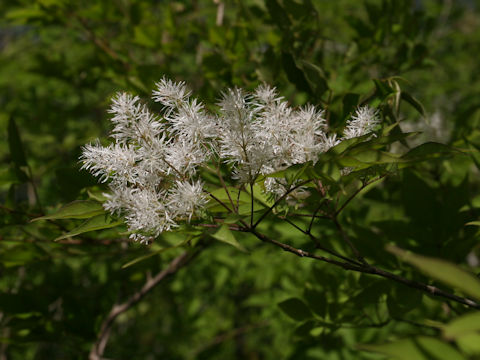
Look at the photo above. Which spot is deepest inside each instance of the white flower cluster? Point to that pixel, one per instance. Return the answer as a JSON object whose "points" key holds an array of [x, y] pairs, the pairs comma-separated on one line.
{"points": [[152, 166]]}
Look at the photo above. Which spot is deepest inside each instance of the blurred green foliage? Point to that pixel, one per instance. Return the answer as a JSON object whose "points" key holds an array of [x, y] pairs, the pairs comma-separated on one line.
{"points": [[62, 60]]}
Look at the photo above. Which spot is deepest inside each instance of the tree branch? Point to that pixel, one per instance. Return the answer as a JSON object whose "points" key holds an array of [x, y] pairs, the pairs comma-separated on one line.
{"points": [[176, 264], [369, 269]]}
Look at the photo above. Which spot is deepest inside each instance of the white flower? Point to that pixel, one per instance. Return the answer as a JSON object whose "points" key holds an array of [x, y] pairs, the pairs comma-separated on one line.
{"points": [[114, 161], [362, 123], [183, 157], [170, 94], [132, 120], [185, 198], [191, 122]]}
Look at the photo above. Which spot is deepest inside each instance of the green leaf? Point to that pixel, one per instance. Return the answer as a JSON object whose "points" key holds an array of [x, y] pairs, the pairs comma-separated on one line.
{"points": [[98, 222], [430, 151], [25, 14], [225, 235], [350, 103], [260, 196], [222, 195], [383, 89], [233, 218], [294, 74], [470, 343], [296, 309], [414, 102], [278, 14], [401, 300], [78, 209], [344, 145], [473, 223], [419, 348], [315, 77], [317, 301], [370, 157], [442, 270], [464, 325], [20, 255]]}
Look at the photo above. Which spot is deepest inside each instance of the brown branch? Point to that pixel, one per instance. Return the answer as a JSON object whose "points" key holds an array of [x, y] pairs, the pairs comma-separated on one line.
{"points": [[99, 42], [302, 253], [369, 269], [176, 264], [220, 202], [219, 173]]}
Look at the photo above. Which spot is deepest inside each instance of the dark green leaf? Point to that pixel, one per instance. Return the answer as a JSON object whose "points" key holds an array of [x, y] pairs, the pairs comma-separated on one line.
{"points": [[430, 151], [350, 103], [278, 14], [294, 74], [78, 209], [296, 309], [98, 222], [15, 144], [414, 102], [315, 77]]}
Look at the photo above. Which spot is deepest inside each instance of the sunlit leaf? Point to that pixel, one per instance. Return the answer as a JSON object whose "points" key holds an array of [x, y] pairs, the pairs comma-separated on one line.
{"points": [[419, 348], [463, 325], [442, 270], [224, 234]]}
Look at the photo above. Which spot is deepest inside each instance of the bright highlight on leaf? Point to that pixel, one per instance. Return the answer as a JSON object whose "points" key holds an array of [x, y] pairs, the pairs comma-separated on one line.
{"points": [[441, 270]]}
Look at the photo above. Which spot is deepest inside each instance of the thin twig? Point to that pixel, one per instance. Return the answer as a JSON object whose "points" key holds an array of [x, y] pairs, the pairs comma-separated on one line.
{"points": [[294, 225], [312, 220], [101, 43], [251, 205], [278, 202], [357, 192], [307, 215], [348, 241], [331, 252], [220, 202], [219, 173]]}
